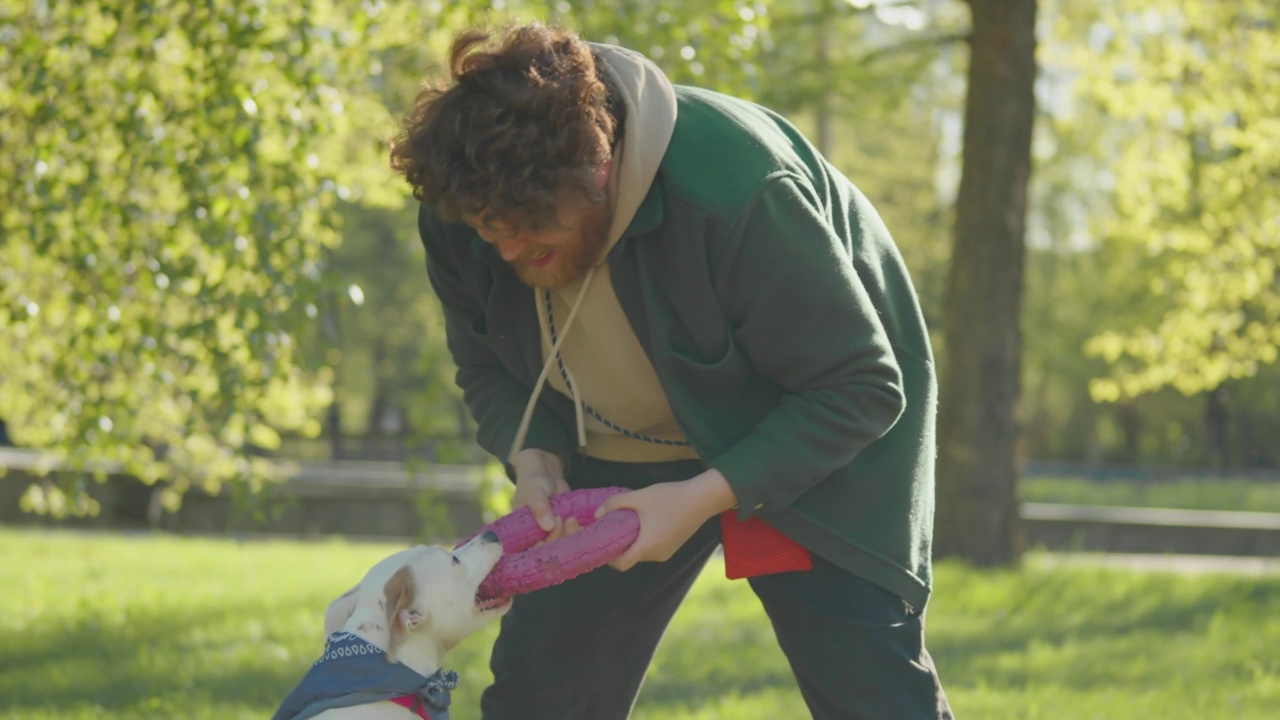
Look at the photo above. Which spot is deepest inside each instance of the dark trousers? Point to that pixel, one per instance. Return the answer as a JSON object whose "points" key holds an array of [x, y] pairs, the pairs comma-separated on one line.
{"points": [[580, 650]]}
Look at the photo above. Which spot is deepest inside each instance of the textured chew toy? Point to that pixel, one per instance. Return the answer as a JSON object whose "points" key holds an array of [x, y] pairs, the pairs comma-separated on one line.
{"points": [[525, 568]]}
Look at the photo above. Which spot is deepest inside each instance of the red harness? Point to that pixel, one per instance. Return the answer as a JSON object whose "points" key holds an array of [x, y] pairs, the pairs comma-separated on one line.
{"points": [[415, 705]]}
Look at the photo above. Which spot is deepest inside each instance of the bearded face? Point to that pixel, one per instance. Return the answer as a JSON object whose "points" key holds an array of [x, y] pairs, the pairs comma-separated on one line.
{"points": [[552, 256]]}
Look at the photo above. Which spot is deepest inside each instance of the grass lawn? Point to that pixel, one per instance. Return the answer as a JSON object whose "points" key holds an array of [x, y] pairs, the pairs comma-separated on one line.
{"points": [[148, 626], [1188, 493]]}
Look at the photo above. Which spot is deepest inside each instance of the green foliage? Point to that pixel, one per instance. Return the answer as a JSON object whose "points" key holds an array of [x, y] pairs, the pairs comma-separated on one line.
{"points": [[709, 44], [215, 629], [856, 59], [712, 44], [170, 178], [1107, 316], [1183, 85], [494, 492], [393, 376], [430, 507]]}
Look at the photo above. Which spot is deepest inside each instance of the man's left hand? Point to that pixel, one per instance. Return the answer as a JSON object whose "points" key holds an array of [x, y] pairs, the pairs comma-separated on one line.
{"points": [[669, 515]]}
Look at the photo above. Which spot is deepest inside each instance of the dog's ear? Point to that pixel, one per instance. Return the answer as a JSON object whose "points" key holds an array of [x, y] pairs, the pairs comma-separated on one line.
{"points": [[339, 611], [402, 615]]}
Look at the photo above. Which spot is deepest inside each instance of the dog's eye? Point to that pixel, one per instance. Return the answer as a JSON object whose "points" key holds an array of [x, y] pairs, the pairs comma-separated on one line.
{"points": [[456, 561]]}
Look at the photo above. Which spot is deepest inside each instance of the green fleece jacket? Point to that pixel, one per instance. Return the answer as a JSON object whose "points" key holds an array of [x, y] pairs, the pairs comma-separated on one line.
{"points": [[780, 319]]}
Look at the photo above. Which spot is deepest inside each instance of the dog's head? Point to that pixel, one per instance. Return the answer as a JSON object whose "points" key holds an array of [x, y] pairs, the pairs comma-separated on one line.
{"points": [[424, 594]]}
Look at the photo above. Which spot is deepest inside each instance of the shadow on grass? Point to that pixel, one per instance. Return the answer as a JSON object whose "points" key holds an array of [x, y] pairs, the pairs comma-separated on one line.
{"points": [[721, 643], [127, 662], [1093, 628]]}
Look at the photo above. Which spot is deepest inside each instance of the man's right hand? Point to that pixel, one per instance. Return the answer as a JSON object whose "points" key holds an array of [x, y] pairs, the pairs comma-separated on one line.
{"points": [[539, 477]]}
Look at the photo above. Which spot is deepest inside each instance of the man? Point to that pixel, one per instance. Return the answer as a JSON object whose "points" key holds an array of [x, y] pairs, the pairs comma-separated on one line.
{"points": [[726, 328]]}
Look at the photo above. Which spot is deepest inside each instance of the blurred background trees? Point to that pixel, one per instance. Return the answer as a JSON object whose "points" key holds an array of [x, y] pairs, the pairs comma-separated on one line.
{"points": [[205, 261]]}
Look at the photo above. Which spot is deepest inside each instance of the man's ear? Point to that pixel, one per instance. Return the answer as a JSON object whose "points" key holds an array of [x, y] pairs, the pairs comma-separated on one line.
{"points": [[402, 616]]}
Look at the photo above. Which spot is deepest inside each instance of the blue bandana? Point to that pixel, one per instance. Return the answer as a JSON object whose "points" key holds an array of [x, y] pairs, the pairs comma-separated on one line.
{"points": [[353, 671]]}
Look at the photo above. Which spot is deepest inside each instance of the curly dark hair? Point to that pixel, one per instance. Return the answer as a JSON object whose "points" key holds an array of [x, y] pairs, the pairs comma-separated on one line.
{"points": [[523, 120]]}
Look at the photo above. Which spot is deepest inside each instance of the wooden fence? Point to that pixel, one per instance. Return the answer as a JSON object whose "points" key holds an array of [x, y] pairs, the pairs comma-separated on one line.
{"points": [[389, 500]]}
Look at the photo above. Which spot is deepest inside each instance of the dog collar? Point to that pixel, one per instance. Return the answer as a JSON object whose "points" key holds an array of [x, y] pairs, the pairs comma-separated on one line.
{"points": [[353, 671], [431, 701]]}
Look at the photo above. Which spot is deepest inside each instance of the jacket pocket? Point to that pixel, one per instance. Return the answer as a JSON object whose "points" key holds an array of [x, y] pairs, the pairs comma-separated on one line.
{"points": [[479, 326], [724, 374]]}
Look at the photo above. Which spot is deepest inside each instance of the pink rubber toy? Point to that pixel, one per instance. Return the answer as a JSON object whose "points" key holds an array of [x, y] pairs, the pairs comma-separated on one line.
{"points": [[525, 568]]}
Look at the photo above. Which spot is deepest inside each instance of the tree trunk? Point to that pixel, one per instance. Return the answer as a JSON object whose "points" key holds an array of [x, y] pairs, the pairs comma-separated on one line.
{"points": [[978, 516], [333, 427], [1130, 420], [1217, 420]]}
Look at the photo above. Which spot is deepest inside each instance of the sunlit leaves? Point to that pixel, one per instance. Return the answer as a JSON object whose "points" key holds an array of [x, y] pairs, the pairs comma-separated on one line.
{"points": [[170, 178], [713, 43], [1191, 81]]}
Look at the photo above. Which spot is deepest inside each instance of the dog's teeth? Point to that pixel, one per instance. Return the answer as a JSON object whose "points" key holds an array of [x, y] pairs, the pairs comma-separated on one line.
{"points": [[490, 603]]}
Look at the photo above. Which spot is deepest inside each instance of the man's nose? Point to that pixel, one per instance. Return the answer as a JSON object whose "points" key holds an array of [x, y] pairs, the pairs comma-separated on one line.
{"points": [[510, 249]]}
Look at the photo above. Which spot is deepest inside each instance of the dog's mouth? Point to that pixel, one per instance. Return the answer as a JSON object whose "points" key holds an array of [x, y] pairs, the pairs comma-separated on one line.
{"points": [[490, 595], [488, 604]]}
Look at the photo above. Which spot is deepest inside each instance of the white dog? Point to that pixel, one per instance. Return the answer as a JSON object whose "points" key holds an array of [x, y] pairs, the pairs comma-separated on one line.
{"points": [[388, 635]]}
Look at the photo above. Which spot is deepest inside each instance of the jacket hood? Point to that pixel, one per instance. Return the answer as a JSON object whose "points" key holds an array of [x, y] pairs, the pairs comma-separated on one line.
{"points": [[650, 101]]}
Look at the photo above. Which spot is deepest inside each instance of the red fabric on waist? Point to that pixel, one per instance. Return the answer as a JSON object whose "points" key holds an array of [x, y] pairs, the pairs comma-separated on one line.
{"points": [[754, 547]]}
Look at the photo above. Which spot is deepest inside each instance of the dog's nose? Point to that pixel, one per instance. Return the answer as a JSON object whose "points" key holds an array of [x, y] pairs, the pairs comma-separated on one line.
{"points": [[490, 536]]}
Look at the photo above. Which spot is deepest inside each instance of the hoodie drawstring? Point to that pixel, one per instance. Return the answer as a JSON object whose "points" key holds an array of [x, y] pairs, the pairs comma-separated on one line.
{"points": [[523, 430]]}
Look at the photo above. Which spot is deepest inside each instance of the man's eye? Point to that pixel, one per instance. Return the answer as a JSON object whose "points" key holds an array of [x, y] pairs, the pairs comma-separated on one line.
{"points": [[496, 237]]}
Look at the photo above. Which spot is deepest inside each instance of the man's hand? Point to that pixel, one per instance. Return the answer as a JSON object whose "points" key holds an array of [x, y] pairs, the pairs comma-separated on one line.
{"points": [[669, 514], [539, 477]]}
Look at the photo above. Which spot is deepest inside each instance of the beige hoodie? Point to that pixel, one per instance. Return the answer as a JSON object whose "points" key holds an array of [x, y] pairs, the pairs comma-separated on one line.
{"points": [[607, 369]]}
